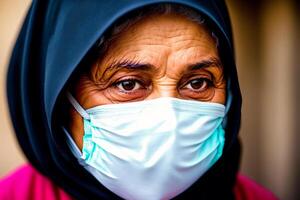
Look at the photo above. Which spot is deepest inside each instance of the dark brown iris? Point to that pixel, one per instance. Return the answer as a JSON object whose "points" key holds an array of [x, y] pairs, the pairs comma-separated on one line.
{"points": [[128, 85], [197, 84]]}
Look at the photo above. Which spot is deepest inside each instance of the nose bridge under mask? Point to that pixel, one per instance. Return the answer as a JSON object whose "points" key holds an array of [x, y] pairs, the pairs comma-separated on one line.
{"points": [[169, 110], [150, 143], [163, 110]]}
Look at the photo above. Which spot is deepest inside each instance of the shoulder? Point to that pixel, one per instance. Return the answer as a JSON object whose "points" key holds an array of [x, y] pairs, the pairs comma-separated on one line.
{"points": [[27, 183], [247, 189]]}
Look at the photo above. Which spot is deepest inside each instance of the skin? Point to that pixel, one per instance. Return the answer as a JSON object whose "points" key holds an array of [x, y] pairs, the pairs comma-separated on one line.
{"points": [[159, 56]]}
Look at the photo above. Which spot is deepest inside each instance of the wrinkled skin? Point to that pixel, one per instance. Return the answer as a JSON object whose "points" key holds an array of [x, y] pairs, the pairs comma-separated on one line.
{"points": [[159, 56]]}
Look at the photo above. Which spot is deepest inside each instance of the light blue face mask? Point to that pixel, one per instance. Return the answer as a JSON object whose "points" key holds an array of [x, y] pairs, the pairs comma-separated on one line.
{"points": [[152, 149]]}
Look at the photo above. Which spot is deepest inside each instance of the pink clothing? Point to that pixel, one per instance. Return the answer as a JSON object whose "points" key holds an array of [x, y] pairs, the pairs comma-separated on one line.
{"points": [[246, 189], [28, 184]]}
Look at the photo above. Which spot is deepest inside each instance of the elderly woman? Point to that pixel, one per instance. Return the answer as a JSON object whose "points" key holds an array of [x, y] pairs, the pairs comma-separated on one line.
{"points": [[126, 99]]}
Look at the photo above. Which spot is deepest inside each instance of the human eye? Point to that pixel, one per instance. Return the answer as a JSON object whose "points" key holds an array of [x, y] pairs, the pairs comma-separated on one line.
{"points": [[198, 84], [129, 85], [198, 88], [129, 88]]}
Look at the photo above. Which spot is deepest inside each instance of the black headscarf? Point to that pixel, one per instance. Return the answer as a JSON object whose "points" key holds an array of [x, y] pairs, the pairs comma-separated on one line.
{"points": [[54, 39]]}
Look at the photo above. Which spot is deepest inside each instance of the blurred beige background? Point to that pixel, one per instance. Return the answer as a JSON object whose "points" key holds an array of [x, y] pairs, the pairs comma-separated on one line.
{"points": [[267, 50], [11, 17]]}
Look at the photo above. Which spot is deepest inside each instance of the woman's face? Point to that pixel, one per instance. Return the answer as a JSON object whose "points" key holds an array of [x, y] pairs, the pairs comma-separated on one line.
{"points": [[159, 56]]}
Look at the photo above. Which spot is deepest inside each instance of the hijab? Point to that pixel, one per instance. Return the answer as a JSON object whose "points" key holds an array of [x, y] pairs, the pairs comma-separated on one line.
{"points": [[54, 40]]}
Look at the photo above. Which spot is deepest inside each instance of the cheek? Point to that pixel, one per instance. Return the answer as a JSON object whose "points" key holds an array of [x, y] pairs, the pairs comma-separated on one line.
{"points": [[88, 93], [220, 95], [76, 127]]}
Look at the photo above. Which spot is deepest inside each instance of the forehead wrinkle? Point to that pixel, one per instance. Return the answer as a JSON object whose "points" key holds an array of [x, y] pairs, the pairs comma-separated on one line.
{"points": [[138, 54], [170, 32], [141, 40], [166, 40], [136, 42]]}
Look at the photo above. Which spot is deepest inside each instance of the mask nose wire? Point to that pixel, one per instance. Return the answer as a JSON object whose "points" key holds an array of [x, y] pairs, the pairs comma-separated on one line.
{"points": [[77, 106]]}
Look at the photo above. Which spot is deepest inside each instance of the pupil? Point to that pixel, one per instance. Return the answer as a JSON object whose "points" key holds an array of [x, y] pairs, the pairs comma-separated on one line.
{"points": [[128, 85], [196, 84]]}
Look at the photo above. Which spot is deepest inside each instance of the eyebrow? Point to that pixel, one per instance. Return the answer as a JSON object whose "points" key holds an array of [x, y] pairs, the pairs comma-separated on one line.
{"points": [[204, 64], [130, 65], [136, 65]]}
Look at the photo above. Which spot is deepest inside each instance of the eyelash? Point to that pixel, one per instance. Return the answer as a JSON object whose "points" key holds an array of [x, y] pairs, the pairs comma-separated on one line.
{"points": [[209, 81], [143, 85], [129, 79]]}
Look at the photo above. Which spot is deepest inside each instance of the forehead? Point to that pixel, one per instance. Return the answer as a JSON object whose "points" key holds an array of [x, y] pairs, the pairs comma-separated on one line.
{"points": [[156, 37], [168, 27]]}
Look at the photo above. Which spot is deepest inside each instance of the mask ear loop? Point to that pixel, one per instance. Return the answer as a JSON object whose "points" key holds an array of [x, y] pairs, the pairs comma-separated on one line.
{"points": [[77, 106]]}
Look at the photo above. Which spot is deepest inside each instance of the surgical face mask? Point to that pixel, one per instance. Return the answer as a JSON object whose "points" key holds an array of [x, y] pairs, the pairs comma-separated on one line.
{"points": [[152, 149]]}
